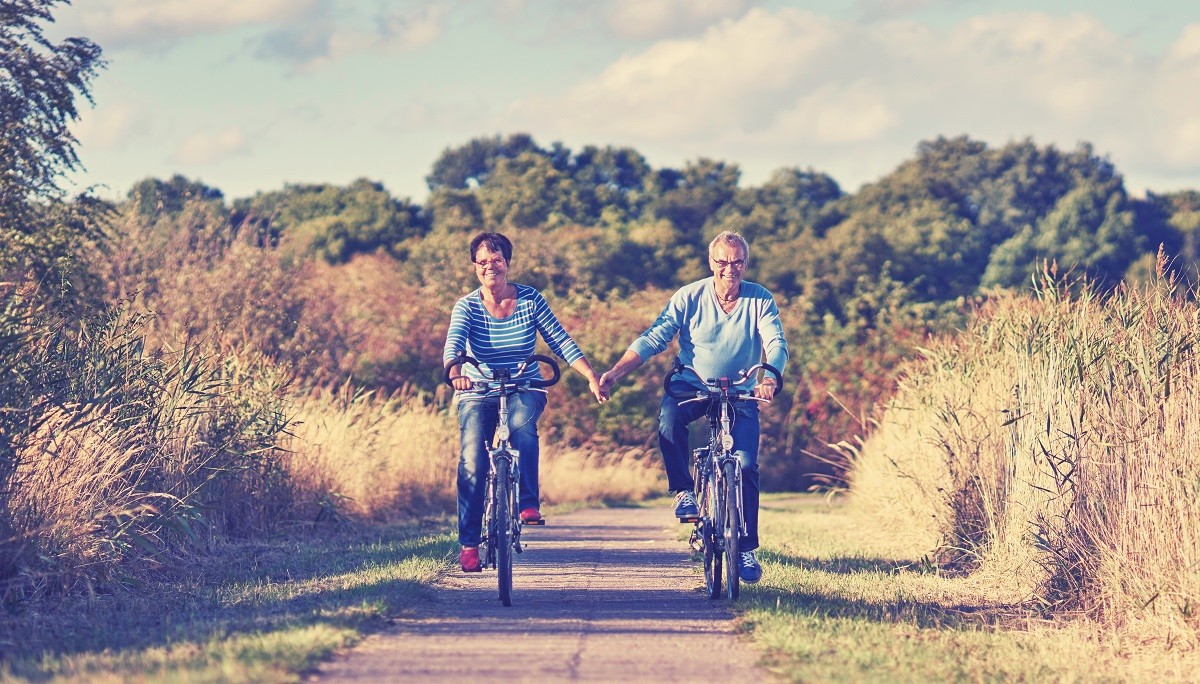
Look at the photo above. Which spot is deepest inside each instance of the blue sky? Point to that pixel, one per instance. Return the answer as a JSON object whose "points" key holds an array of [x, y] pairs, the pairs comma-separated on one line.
{"points": [[248, 95]]}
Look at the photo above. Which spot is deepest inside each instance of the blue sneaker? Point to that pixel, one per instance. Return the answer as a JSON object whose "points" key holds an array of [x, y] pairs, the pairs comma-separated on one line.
{"points": [[685, 506], [748, 567]]}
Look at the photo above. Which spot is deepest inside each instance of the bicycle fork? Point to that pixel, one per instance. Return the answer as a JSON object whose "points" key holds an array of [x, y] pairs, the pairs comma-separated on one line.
{"points": [[502, 457], [735, 488], [727, 454]]}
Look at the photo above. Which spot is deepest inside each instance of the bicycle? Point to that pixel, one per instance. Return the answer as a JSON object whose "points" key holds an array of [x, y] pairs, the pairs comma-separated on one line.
{"points": [[501, 524], [717, 474]]}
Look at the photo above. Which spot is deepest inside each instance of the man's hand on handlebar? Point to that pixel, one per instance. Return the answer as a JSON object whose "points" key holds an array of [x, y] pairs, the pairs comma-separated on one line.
{"points": [[766, 389]]}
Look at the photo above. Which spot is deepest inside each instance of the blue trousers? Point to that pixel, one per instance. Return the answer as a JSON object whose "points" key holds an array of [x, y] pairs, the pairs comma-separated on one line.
{"points": [[673, 421], [477, 419]]}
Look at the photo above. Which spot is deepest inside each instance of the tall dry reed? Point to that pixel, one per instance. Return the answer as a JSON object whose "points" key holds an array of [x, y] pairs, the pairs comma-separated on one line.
{"points": [[1056, 443], [364, 454], [114, 458]]}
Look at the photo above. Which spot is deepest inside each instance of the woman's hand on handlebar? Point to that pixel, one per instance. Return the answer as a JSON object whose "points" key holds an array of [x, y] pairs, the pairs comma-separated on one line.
{"points": [[459, 381]]}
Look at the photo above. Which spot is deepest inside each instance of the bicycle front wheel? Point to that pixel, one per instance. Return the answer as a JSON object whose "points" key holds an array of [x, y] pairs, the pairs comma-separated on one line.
{"points": [[713, 522], [503, 530], [732, 529], [712, 559]]}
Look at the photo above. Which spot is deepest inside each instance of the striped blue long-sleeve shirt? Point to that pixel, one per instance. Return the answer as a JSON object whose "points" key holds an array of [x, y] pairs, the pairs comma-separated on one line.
{"points": [[505, 343]]}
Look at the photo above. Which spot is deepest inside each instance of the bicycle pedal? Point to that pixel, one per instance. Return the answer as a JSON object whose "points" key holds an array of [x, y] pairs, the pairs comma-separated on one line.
{"points": [[689, 519], [539, 521]]}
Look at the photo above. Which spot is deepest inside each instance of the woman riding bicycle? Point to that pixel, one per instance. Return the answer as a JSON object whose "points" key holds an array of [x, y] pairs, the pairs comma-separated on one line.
{"points": [[498, 324]]}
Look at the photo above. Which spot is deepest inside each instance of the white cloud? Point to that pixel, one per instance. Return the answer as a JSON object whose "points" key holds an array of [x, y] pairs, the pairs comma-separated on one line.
{"points": [[877, 10], [1187, 48], [653, 19], [1174, 104], [324, 40], [773, 83], [689, 88], [413, 30], [835, 114], [303, 33], [206, 148], [156, 23], [110, 127]]}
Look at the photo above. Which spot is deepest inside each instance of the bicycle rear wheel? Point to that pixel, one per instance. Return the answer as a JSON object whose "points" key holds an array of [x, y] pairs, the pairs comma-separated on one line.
{"points": [[732, 530], [503, 530]]}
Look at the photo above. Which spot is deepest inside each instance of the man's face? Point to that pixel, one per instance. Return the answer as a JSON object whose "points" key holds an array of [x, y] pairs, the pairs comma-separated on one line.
{"points": [[728, 263]]}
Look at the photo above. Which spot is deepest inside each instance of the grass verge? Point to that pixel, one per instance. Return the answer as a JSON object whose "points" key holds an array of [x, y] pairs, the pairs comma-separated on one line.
{"points": [[252, 612], [841, 601]]}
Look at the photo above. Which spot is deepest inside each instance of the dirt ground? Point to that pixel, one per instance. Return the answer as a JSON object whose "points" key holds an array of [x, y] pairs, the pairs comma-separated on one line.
{"points": [[606, 595]]}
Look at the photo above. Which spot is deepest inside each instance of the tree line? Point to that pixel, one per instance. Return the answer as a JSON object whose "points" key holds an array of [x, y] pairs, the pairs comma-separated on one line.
{"points": [[958, 218]]}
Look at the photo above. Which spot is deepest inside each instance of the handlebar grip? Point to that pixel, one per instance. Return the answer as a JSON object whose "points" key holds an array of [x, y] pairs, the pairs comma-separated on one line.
{"points": [[778, 377], [538, 358], [676, 369], [457, 361]]}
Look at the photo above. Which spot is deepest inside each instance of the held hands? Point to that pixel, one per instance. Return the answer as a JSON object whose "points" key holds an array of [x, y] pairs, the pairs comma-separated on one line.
{"points": [[596, 384], [606, 384]]}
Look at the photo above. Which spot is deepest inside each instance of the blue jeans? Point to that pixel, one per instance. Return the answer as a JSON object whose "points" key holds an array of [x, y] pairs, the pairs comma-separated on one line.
{"points": [[477, 418], [673, 421]]}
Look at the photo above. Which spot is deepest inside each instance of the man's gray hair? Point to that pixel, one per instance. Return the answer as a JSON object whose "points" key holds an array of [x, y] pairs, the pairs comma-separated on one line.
{"points": [[730, 238]]}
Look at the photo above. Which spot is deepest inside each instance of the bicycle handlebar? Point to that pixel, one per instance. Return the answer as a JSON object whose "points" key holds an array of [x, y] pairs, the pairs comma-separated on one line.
{"points": [[503, 376], [714, 385]]}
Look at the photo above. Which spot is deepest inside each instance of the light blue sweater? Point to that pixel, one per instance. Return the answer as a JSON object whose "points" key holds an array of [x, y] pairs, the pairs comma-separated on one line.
{"points": [[715, 343]]}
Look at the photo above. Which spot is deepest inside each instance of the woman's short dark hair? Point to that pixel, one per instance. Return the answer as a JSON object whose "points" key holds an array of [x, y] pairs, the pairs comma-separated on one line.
{"points": [[495, 242]]}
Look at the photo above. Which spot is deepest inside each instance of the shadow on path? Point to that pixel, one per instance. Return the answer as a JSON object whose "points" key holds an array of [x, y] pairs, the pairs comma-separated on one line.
{"points": [[608, 594]]}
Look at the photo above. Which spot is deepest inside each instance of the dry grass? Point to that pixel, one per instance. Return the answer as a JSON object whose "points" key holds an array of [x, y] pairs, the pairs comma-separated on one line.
{"points": [[570, 476], [114, 458], [367, 455], [844, 600], [1054, 446]]}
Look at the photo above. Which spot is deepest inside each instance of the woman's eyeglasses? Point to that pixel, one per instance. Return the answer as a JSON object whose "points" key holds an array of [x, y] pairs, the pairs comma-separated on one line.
{"points": [[494, 263]]}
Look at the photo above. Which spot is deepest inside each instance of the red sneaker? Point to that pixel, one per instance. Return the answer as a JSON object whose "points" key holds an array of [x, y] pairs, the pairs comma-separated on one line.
{"points": [[468, 558], [531, 516]]}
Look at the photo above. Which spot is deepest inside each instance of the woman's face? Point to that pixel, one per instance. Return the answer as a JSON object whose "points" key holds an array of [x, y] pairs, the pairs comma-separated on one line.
{"points": [[490, 267]]}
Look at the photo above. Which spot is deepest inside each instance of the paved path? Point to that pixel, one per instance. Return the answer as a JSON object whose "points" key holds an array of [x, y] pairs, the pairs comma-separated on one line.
{"points": [[600, 595]]}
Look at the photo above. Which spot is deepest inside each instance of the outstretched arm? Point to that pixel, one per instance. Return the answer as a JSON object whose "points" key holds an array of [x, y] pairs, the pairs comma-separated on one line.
{"points": [[585, 369], [620, 369]]}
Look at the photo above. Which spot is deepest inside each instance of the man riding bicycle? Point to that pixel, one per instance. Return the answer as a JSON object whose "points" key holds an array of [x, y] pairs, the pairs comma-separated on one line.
{"points": [[725, 325]]}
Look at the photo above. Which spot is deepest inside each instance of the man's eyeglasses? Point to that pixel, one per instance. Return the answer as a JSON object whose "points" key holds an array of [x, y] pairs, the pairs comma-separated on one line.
{"points": [[494, 263], [736, 263]]}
